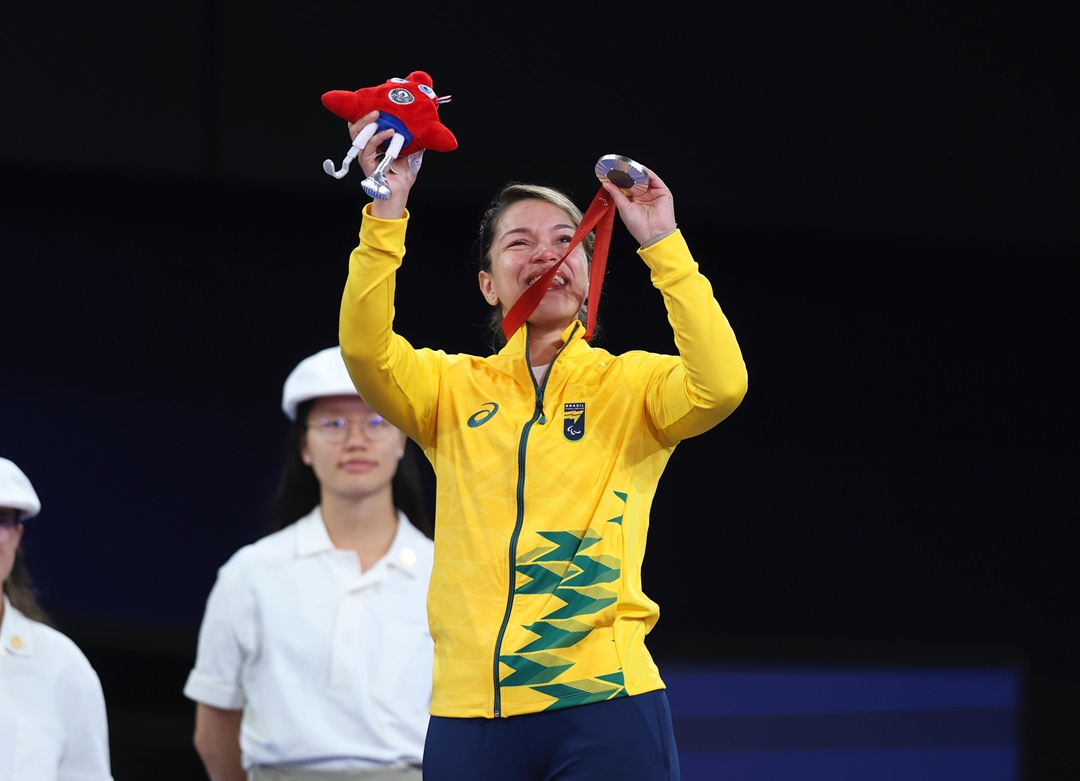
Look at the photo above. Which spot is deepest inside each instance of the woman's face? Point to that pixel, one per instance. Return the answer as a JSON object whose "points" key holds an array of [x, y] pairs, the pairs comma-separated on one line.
{"points": [[11, 532], [529, 238], [353, 452]]}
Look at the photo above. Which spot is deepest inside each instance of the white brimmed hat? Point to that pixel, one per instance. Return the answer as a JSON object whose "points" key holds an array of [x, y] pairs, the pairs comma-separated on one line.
{"points": [[321, 374], [16, 491]]}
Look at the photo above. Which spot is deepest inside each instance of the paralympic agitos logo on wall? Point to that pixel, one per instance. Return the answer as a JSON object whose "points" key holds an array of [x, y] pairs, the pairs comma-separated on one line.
{"points": [[573, 421]]}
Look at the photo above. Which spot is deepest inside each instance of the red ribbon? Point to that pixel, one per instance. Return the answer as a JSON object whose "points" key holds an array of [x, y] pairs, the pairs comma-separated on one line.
{"points": [[599, 215]]}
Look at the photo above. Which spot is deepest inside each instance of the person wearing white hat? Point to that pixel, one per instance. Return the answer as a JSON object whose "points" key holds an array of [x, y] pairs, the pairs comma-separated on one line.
{"points": [[53, 722], [314, 658]]}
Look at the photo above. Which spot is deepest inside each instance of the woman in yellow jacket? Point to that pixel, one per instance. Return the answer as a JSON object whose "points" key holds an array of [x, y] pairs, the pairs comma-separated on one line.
{"points": [[547, 456]]}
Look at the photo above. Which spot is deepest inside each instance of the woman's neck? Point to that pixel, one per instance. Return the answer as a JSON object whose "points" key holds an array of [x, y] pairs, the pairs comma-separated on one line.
{"points": [[367, 525], [544, 345]]}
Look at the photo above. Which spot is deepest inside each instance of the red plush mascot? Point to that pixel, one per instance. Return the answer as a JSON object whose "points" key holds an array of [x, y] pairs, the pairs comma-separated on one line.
{"points": [[409, 106]]}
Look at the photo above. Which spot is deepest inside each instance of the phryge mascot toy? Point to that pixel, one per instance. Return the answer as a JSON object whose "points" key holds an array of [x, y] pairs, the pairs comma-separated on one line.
{"points": [[409, 106]]}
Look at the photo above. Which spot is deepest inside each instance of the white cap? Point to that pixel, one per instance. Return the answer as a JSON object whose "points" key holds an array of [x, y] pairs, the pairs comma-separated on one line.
{"points": [[321, 374], [16, 491]]}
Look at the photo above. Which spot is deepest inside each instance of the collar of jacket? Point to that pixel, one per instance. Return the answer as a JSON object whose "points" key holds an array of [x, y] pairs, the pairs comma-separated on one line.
{"points": [[572, 337]]}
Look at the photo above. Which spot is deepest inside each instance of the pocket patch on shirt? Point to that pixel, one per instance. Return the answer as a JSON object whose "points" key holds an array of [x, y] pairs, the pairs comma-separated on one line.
{"points": [[573, 422]]}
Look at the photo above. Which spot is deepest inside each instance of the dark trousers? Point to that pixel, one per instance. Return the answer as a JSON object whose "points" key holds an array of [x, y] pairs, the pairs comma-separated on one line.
{"points": [[629, 738]]}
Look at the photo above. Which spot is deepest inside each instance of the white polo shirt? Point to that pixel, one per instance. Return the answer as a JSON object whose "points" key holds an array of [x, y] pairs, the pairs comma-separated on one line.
{"points": [[53, 724], [331, 666]]}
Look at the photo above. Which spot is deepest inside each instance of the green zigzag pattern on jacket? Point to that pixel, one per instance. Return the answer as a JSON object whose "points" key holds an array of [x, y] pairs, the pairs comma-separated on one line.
{"points": [[568, 574], [618, 518], [534, 669], [540, 669], [552, 635], [599, 689]]}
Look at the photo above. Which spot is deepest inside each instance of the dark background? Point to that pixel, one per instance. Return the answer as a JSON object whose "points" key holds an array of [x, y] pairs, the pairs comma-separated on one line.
{"points": [[884, 196]]}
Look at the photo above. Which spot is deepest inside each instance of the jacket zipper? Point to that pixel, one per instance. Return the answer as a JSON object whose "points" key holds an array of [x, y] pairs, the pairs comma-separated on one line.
{"points": [[537, 417]]}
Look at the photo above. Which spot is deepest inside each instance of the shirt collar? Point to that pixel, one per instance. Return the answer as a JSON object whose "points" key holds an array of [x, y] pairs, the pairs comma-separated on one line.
{"points": [[405, 550], [519, 339], [404, 553], [311, 535]]}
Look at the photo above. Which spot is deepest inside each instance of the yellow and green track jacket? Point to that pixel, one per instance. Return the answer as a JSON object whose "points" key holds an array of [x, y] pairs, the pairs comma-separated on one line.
{"points": [[542, 491]]}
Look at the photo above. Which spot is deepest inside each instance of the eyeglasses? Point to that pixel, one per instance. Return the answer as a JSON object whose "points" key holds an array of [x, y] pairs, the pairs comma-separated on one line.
{"points": [[9, 522], [336, 430]]}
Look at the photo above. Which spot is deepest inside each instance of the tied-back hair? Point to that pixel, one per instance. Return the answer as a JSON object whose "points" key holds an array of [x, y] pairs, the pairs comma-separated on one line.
{"points": [[506, 197], [21, 593], [298, 488]]}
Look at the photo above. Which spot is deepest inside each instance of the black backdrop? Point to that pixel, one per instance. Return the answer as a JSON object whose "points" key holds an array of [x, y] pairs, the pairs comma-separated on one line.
{"points": [[883, 197]]}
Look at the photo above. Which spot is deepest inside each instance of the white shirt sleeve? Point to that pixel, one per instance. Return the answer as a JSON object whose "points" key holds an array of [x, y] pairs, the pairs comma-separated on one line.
{"points": [[86, 750], [227, 639]]}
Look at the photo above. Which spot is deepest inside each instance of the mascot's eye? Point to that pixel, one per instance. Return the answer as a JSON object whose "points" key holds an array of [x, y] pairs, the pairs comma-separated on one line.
{"points": [[426, 90], [401, 96], [398, 81]]}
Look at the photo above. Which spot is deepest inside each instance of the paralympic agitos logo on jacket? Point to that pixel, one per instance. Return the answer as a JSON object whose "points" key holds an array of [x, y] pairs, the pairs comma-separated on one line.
{"points": [[573, 421]]}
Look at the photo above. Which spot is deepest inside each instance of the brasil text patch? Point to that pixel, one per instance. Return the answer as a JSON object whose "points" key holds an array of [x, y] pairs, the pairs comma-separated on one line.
{"points": [[573, 422]]}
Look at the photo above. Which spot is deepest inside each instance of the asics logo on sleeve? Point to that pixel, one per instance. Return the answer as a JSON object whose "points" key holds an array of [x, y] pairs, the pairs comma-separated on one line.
{"points": [[482, 416]]}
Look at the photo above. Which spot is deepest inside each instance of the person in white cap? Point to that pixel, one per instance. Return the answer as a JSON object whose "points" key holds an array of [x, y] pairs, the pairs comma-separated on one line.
{"points": [[314, 658], [53, 722]]}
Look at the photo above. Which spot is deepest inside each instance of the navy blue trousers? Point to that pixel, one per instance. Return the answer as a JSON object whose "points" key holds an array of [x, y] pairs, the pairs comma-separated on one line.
{"points": [[629, 738]]}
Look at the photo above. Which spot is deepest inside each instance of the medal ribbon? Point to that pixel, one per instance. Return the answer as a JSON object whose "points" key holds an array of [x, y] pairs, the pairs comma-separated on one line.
{"points": [[599, 215]]}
